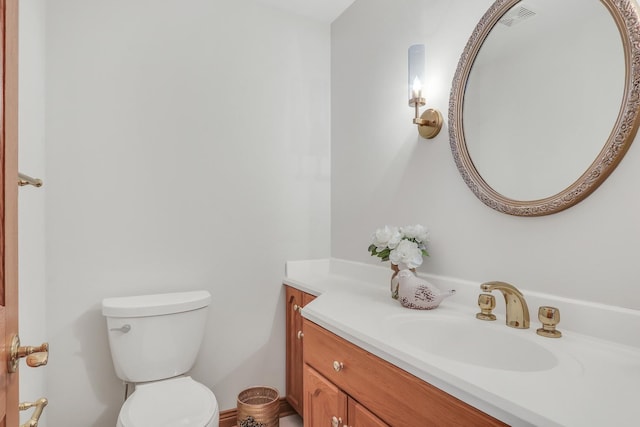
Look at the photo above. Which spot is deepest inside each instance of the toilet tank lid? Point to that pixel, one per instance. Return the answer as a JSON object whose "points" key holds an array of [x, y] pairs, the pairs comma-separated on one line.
{"points": [[155, 305]]}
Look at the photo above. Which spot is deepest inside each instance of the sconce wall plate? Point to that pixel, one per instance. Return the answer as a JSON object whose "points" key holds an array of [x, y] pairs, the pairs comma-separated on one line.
{"points": [[429, 123]]}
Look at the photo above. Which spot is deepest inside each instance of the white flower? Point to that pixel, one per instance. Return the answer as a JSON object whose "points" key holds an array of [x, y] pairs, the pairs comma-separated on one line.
{"points": [[387, 237], [408, 253], [417, 232], [406, 245]]}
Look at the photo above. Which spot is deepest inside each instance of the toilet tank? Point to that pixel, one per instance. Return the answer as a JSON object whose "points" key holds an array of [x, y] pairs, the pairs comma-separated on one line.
{"points": [[153, 337]]}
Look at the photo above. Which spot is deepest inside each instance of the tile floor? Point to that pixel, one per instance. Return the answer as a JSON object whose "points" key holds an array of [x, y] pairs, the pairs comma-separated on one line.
{"points": [[291, 421]]}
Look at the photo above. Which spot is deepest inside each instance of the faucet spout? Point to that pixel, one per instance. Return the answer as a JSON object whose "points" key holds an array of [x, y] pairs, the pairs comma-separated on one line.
{"points": [[516, 306]]}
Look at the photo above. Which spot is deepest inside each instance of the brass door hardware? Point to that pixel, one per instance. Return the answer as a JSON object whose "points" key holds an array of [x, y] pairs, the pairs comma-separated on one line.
{"points": [[517, 310], [336, 421], [338, 366], [486, 302], [300, 335], [39, 405], [36, 356], [27, 180], [549, 317]]}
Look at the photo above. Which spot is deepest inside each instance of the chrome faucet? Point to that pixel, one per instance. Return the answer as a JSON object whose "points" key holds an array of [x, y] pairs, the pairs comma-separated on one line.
{"points": [[517, 310]]}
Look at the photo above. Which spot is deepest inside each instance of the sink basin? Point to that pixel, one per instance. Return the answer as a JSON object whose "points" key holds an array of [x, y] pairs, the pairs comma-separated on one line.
{"points": [[474, 342]]}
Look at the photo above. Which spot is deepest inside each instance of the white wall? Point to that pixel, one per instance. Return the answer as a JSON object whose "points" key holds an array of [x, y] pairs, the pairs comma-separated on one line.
{"points": [[187, 148], [382, 173], [31, 220]]}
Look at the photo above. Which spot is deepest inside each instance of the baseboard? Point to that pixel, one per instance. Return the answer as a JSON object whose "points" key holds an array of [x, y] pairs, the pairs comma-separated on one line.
{"points": [[229, 418], [286, 409]]}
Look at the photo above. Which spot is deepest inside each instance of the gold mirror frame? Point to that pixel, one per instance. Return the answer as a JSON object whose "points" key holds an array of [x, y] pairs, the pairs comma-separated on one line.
{"points": [[625, 15]]}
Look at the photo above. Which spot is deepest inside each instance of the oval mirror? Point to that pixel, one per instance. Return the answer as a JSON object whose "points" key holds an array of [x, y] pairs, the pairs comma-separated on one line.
{"points": [[545, 101]]}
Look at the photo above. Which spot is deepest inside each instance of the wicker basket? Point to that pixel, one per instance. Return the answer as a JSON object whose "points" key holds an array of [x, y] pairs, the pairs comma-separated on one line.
{"points": [[261, 403]]}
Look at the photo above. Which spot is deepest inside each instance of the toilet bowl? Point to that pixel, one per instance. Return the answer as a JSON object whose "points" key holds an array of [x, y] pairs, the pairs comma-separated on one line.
{"points": [[154, 341], [175, 402]]}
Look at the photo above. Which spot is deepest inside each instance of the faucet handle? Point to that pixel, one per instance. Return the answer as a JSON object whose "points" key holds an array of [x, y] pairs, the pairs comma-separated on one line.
{"points": [[549, 317], [486, 302]]}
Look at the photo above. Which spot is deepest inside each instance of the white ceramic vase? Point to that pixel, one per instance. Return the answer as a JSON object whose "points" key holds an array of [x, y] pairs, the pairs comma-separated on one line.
{"points": [[394, 278]]}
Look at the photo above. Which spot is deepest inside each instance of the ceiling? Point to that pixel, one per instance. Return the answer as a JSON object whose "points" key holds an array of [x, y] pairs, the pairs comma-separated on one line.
{"points": [[321, 10]]}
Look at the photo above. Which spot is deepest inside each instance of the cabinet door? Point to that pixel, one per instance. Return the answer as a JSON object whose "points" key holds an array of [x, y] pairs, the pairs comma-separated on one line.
{"points": [[359, 416], [295, 301], [325, 405], [294, 349]]}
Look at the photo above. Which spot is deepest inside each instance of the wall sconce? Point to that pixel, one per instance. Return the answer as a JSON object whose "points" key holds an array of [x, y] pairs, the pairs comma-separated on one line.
{"points": [[430, 122]]}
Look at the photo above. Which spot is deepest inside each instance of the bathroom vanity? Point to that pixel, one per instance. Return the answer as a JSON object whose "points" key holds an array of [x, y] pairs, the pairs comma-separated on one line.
{"points": [[343, 380], [366, 360]]}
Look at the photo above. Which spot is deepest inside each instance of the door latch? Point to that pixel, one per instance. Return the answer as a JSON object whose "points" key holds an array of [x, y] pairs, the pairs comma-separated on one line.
{"points": [[36, 356]]}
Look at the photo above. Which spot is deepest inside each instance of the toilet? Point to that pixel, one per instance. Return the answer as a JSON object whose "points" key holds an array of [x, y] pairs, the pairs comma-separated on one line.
{"points": [[154, 341]]}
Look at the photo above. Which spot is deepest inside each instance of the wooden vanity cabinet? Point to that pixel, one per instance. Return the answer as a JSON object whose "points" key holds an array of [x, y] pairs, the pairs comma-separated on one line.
{"points": [[340, 376], [296, 299]]}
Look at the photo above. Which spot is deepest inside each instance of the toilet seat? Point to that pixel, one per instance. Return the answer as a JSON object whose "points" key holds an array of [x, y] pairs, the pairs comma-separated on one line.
{"points": [[176, 402]]}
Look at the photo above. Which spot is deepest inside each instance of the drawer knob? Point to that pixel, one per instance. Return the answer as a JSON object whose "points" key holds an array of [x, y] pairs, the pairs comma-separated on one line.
{"points": [[300, 335], [336, 421], [337, 366]]}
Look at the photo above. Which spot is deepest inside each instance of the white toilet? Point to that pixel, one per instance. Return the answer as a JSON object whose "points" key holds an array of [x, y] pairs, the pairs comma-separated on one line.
{"points": [[154, 341]]}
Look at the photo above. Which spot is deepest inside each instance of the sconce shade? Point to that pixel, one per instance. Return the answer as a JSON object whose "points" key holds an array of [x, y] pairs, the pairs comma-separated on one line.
{"points": [[430, 122], [416, 70]]}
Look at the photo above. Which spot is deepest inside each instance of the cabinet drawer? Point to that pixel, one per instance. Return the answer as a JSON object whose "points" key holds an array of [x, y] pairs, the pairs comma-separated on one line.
{"points": [[395, 396]]}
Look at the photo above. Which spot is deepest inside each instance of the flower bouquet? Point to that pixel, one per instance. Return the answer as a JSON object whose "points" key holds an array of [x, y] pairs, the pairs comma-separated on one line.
{"points": [[403, 246]]}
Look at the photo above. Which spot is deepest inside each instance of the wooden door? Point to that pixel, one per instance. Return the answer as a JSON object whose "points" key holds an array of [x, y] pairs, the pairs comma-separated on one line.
{"points": [[325, 405], [9, 208]]}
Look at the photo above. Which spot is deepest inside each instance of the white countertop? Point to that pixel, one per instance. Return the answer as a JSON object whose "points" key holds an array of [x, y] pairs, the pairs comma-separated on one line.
{"points": [[596, 381]]}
